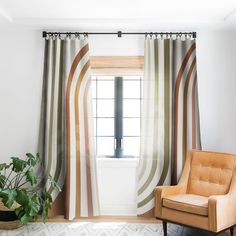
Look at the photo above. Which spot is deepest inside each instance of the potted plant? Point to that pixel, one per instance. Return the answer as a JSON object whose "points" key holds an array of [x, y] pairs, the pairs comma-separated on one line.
{"points": [[20, 200]]}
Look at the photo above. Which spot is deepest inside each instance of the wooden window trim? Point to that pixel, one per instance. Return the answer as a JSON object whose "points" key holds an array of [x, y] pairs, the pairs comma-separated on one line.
{"points": [[117, 65]]}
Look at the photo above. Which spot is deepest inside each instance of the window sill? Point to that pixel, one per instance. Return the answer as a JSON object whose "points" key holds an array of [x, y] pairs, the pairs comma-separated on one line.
{"points": [[106, 162]]}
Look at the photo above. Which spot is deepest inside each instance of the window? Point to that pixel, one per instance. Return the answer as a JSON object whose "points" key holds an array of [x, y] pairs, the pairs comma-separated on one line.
{"points": [[117, 109]]}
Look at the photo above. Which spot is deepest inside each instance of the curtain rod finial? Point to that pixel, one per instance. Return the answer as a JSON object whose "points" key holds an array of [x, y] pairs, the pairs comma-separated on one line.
{"points": [[44, 33], [194, 35]]}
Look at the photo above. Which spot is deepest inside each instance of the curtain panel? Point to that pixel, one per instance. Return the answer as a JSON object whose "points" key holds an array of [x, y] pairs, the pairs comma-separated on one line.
{"points": [[66, 131], [170, 118]]}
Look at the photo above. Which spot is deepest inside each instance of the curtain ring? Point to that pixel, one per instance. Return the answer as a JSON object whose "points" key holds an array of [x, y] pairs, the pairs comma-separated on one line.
{"points": [[77, 36]]}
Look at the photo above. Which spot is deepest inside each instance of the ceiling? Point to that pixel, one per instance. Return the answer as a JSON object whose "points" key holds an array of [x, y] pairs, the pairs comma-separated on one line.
{"points": [[146, 15]]}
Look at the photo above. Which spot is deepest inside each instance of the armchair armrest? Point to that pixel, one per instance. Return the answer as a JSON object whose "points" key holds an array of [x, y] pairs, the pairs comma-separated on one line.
{"points": [[221, 211], [163, 191]]}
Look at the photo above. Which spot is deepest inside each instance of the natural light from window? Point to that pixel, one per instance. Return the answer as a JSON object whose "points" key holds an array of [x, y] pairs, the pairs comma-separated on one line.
{"points": [[117, 109]]}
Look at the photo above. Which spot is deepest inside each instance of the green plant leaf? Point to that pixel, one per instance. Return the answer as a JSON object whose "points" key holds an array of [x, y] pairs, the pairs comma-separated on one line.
{"points": [[22, 197], [30, 176], [8, 197], [25, 219], [18, 164], [34, 205], [32, 160], [4, 166], [54, 183], [19, 212], [2, 181], [30, 155], [47, 202]]}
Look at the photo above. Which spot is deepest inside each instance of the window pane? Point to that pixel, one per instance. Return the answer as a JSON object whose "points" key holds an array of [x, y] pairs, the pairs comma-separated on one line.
{"points": [[131, 89], [105, 146], [94, 94], [131, 108], [105, 126], [94, 126], [131, 146], [94, 108], [105, 108], [131, 126], [105, 89]]}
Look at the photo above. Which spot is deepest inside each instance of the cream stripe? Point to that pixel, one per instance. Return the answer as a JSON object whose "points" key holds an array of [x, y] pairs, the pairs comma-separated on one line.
{"points": [[84, 197], [147, 120]]}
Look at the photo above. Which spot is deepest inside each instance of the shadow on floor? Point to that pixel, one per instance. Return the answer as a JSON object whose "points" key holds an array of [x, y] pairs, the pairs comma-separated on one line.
{"points": [[176, 230]]}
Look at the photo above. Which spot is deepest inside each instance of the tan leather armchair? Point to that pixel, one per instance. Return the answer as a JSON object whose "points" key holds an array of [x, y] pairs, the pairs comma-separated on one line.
{"points": [[205, 196]]}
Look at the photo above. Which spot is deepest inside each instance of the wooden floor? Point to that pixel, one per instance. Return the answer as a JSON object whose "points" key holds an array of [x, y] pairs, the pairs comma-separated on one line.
{"points": [[173, 230], [128, 219]]}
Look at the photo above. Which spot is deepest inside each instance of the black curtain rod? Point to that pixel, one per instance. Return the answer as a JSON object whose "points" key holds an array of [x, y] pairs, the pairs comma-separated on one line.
{"points": [[119, 33]]}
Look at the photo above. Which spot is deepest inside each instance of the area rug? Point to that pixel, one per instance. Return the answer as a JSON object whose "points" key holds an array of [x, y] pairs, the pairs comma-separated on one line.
{"points": [[101, 229], [89, 229]]}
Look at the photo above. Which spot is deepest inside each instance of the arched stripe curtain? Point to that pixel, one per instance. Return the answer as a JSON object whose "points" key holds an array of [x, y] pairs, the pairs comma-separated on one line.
{"points": [[170, 118], [66, 133]]}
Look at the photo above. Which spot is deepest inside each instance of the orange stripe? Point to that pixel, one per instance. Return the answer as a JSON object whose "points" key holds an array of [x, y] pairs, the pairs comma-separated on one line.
{"points": [[87, 151], [77, 136], [194, 145], [75, 63], [176, 96], [185, 110]]}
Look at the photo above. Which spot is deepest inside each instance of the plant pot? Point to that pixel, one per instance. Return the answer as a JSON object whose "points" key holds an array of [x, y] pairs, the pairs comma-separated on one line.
{"points": [[8, 218]]}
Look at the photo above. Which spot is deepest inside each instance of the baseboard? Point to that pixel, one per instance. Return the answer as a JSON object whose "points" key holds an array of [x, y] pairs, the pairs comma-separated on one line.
{"points": [[119, 210]]}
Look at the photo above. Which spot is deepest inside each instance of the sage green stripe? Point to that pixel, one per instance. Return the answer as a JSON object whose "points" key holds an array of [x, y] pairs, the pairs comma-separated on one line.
{"points": [[166, 120], [166, 111], [154, 157], [51, 108], [60, 146], [146, 200]]}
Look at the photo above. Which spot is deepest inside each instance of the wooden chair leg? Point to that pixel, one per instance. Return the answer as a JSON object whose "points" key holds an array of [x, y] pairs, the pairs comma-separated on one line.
{"points": [[164, 224], [232, 231]]}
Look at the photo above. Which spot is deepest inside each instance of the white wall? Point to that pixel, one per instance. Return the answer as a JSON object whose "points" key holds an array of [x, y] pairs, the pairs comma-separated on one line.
{"points": [[216, 61], [117, 186], [21, 57], [21, 66]]}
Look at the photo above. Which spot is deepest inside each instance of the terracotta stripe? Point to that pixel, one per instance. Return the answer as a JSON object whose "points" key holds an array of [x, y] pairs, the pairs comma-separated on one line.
{"points": [[75, 63], [194, 113], [185, 110], [77, 136], [176, 96], [87, 151]]}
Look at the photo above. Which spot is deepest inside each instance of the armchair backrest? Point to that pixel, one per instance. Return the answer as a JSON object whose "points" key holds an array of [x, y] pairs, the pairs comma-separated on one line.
{"points": [[210, 173]]}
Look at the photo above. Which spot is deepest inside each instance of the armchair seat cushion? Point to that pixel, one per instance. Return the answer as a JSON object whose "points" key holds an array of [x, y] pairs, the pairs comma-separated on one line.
{"points": [[190, 203]]}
